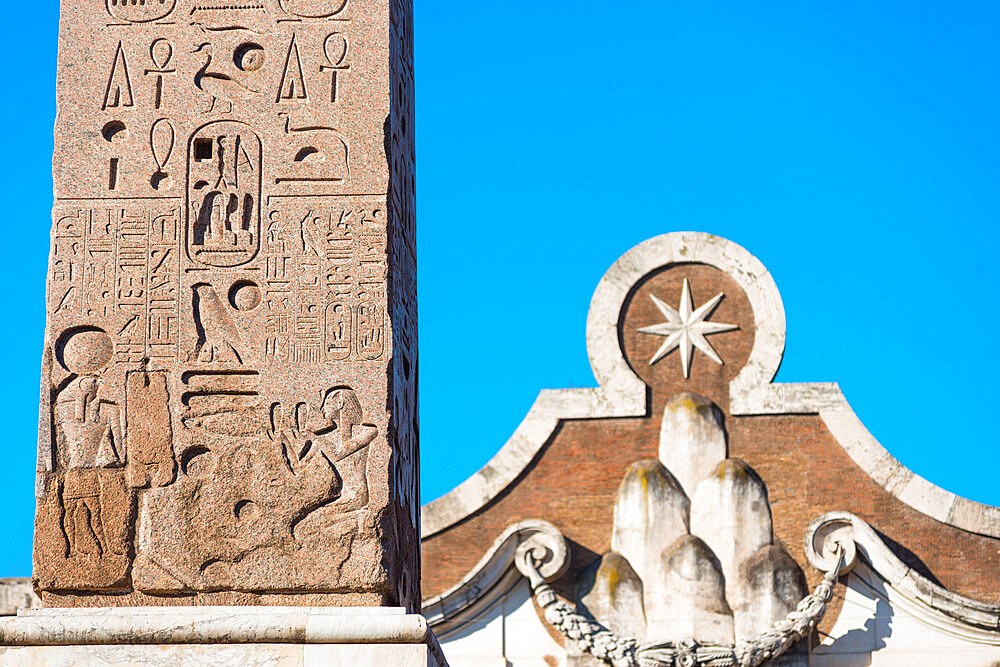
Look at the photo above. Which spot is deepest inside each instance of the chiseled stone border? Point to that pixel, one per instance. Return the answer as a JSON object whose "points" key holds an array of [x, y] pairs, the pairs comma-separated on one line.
{"points": [[622, 394]]}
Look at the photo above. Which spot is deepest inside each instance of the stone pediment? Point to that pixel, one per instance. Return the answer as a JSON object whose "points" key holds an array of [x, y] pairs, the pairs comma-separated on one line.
{"points": [[746, 379], [684, 524]]}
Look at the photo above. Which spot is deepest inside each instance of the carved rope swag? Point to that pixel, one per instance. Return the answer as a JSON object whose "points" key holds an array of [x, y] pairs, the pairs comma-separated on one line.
{"points": [[595, 639]]}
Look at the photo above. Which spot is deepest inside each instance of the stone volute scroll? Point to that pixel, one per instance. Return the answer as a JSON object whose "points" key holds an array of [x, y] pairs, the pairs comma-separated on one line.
{"points": [[228, 410], [693, 576]]}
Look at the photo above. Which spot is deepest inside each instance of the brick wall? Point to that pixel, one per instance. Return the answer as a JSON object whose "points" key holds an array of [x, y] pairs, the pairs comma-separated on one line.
{"points": [[573, 481]]}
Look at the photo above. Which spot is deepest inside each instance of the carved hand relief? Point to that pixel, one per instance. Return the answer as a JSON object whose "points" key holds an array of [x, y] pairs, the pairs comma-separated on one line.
{"points": [[685, 328], [218, 351]]}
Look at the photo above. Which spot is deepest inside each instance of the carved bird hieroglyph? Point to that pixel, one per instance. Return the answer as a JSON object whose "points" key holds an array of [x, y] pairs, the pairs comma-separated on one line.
{"points": [[218, 339], [218, 84]]}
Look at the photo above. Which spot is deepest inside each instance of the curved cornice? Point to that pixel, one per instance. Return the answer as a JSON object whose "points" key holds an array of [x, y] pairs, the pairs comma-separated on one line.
{"points": [[950, 612], [622, 394], [498, 572]]}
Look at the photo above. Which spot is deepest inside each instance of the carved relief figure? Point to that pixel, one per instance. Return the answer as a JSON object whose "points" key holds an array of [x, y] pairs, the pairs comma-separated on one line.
{"points": [[245, 500], [344, 441], [224, 190], [149, 435], [89, 449]]}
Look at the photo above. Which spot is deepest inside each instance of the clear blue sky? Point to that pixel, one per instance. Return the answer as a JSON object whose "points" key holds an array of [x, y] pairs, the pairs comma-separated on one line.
{"points": [[852, 146]]}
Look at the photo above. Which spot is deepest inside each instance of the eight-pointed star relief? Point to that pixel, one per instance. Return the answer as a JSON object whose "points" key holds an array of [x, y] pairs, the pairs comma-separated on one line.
{"points": [[686, 329]]}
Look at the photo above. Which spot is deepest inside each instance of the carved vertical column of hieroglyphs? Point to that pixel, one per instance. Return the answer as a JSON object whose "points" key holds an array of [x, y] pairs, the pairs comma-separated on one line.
{"points": [[228, 400]]}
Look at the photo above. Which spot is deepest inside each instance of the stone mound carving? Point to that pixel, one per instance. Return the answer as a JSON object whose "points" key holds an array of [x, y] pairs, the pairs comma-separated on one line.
{"points": [[692, 553]]}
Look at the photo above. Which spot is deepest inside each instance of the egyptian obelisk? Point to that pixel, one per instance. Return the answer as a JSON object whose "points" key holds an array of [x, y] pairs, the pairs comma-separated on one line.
{"points": [[228, 399]]}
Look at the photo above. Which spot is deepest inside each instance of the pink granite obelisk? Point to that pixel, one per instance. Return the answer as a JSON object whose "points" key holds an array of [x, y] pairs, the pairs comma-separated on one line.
{"points": [[228, 410]]}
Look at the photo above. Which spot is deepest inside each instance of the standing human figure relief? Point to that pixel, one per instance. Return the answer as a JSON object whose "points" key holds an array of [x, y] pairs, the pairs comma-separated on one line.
{"points": [[89, 441]]}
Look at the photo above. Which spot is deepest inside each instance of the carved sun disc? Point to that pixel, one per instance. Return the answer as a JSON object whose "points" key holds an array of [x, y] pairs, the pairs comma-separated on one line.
{"points": [[85, 350]]}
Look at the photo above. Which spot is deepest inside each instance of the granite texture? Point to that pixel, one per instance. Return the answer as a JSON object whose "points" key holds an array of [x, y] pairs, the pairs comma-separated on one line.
{"points": [[228, 400]]}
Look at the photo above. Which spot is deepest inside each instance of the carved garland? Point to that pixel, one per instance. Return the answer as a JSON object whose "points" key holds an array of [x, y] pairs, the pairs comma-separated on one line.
{"points": [[595, 639]]}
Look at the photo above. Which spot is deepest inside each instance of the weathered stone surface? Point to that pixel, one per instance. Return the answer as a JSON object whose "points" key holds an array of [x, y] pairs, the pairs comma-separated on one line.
{"points": [[650, 514], [769, 586], [229, 376], [615, 596], [688, 596], [692, 439], [219, 636], [721, 580], [16, 594], [730, 511]]}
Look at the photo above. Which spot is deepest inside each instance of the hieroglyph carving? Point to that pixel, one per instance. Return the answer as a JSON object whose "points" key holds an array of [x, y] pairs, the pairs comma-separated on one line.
{"points": [[313, 8], [119, 89], [161, 53], [119, 265], [292, 85], [336, 48], [226, 80], [325, 283], [223, 194], [233, 422], [161, 143], [140, 11], [317, 154]]}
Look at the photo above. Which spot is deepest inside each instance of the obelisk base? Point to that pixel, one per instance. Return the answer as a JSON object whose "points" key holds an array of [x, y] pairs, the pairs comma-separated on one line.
{"points": [[238, 636]]}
